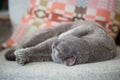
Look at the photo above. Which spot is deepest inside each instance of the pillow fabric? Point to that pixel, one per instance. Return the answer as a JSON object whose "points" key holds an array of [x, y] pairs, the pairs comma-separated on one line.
{"points": [[48, 13]]}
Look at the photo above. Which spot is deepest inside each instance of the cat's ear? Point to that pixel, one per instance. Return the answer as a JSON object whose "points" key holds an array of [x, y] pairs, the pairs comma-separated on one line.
{"points": [[71, 61]]}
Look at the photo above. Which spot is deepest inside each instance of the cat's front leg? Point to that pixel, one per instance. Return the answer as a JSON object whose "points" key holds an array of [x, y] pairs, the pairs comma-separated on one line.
{"points": [[40, 52]]}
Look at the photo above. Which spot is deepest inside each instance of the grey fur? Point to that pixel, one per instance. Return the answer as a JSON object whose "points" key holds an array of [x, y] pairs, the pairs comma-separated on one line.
{"points": [[78, 42]]}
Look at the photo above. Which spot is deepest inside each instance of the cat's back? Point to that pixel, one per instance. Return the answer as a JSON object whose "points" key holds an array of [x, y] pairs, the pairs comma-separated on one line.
{"points": [[85, 29], [101, 43]]}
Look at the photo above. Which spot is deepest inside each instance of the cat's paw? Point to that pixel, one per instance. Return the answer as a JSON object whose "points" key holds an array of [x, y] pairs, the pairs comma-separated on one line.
{"points": [[21, 57]]}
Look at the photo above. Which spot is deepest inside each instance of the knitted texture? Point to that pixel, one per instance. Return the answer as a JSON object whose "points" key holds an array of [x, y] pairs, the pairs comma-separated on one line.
{"points": [[48, 13]]}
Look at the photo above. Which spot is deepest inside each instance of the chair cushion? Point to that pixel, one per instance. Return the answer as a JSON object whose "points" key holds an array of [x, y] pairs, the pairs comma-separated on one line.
{"points": [[105, 70]]}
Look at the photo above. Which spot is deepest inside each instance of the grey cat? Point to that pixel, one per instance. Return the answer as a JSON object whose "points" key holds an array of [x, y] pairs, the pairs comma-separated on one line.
{"points": [[71, 43]]}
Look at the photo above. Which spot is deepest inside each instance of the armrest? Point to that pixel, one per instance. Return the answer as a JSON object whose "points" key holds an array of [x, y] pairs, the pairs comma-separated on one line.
{"points": [[5, 26]]}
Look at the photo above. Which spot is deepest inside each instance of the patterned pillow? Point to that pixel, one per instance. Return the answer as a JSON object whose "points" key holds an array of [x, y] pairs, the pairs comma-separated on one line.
{"points": [[47, 13]]}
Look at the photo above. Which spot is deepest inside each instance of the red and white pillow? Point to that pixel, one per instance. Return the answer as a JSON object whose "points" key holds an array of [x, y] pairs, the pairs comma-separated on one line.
{"points": [[48, 13]]}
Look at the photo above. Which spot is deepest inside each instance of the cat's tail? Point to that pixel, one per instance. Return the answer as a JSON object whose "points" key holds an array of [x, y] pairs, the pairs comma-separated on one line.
{"points": [[9, 55]]}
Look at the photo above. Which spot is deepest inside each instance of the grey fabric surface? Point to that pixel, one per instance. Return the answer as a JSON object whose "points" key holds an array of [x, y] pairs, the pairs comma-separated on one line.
{"points": [[105, 70]]}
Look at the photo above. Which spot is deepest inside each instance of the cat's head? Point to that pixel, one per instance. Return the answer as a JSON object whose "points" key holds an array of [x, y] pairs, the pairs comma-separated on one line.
{"points": [[63, 52]]}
